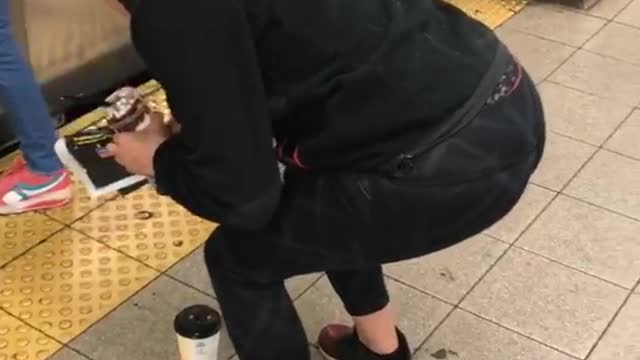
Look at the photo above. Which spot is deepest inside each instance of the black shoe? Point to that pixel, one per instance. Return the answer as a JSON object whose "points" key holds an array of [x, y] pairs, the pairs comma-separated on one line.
{"points": [[340, 342]]}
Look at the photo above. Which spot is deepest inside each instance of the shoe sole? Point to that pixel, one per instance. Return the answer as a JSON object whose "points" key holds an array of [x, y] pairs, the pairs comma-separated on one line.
{"points": [[45, 201]]}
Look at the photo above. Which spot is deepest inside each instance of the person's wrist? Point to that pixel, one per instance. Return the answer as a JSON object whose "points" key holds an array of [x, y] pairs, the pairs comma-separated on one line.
{"points": [[158, 161]]}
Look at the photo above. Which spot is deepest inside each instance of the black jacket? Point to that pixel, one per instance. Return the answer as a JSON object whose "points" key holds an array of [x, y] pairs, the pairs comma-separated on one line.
{"points": [[340, 85]]}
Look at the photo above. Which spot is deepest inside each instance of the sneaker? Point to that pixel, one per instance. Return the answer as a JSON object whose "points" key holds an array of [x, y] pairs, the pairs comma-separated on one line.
{"points": [[340, 342], [23, 190]]}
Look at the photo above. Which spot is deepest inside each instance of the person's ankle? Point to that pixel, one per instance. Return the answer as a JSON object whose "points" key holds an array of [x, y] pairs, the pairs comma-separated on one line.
{"points": [[382, 348], [398, 349]]}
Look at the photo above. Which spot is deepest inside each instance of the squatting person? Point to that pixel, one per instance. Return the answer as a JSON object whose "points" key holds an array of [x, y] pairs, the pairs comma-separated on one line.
{"points": [[406, 127]]}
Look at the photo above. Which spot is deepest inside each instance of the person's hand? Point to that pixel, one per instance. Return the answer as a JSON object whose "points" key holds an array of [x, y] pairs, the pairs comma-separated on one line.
{"points": [[135, 150]]}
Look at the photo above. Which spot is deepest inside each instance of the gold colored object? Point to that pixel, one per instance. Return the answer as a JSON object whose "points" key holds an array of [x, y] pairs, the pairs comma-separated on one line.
{"points": [[158, 102], [19, 341], [99, 114], [82, 122], [68, 283], [148, 227], [19, 233]]}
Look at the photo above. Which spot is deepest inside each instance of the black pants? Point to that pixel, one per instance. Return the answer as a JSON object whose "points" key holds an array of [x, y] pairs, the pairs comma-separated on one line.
{"points": [[348, 224]]}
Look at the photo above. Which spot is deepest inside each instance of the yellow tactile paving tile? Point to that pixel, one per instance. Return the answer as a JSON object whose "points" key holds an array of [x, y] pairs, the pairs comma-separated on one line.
{"points": [[19, 341], [18, 233], [80, 204], [149, 86], [147, 226], [6, 161], [491, 12], [514, 5], [68, 283]]}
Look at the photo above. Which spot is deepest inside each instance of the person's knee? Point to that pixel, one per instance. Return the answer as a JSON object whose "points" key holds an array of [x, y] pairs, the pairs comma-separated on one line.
{"points": [[219, 259], [225, 262]]}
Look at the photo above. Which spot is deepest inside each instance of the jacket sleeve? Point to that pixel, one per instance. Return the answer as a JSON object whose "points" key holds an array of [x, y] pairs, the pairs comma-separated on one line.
{"points": [[221, 166]]}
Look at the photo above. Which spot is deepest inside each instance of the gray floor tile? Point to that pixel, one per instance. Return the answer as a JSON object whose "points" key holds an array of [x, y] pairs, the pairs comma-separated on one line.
{"points": [[464, 336], [418, 314], [600, 75], [555, 23], [614, 40], [530, 205], [587, 238], [607, 9], [449, 274], [67, 354], [610, 180], [540, 57], [621, 340], [557, 306], [320, 306], [631, 15], [142, 328], [625, 140], [562, 158], [300, 284], [315, 354], [193, 271], [581, 116]]}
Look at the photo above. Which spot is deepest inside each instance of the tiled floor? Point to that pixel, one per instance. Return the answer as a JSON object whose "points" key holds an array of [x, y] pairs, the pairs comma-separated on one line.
{"points": [[554, 280]]}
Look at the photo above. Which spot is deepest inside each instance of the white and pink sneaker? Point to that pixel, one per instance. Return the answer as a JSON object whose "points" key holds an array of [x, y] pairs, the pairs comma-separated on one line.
{"points": [[22, 190]]}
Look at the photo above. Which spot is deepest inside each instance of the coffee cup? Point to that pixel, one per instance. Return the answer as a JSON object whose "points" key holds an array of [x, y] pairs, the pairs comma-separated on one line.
{"points": [[198, 330]]}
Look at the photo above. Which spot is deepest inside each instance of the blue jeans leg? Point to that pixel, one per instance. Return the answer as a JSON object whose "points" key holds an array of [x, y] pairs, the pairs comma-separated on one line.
{"points": [[21, 97]]}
